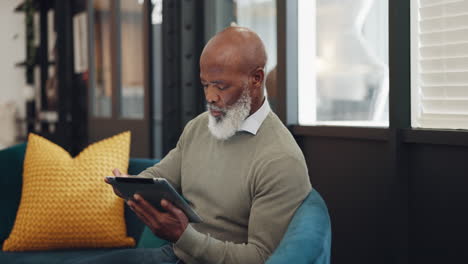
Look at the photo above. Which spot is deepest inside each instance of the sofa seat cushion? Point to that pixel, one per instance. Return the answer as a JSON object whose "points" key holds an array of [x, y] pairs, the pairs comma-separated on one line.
{"points": [[51, 257]]}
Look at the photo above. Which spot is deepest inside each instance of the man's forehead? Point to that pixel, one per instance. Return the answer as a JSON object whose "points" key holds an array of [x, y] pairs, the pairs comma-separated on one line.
{"points": [[219, 57], [213, 74], [216, 67]]}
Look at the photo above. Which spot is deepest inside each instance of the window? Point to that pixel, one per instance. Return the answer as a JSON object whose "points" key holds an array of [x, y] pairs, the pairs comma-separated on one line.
{"points": [[260, 16], [439, 64], [118, 37], [342, 62], [132, 73], [102, 94]]}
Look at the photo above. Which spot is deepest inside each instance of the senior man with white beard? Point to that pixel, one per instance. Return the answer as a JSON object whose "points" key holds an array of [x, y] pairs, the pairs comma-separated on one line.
{"points": [[236, 163]]}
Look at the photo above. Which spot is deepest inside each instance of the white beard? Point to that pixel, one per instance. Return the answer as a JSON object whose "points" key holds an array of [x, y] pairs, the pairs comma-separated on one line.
{"points": [[228, 124]]}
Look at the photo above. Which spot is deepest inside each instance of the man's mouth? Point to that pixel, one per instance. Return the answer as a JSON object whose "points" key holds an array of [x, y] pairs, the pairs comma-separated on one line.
{"points": [[216, 113]]}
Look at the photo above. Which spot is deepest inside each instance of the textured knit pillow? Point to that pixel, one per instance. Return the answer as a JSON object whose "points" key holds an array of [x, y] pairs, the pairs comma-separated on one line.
{"points": [[65, 202]]}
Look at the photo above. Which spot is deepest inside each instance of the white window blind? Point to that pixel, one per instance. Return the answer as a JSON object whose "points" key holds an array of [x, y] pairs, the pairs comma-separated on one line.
{"points": [[440, 64]]}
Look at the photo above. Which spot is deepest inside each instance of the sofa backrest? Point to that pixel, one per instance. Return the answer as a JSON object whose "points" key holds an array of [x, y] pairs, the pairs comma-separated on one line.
{"points": [[11, 168]]}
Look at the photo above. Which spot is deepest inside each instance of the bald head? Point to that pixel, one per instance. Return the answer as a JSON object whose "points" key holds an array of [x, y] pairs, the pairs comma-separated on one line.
{"points": [[232, 66], [236, 47]]}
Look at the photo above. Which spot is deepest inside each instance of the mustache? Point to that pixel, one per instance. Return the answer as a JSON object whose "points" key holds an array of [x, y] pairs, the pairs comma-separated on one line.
{"points": [[213, 107]]}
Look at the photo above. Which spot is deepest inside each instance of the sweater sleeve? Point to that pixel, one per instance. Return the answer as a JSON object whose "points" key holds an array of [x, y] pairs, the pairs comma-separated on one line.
{"points": [[169, 166], [277, 190]]}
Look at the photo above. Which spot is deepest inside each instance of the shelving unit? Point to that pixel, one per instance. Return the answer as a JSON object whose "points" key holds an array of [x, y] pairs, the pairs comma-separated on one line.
{"points": [[59, 109]]}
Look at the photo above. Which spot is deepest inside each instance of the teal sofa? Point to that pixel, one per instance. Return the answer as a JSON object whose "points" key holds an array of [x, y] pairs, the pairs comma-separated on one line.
{"points": [[307, 240]]}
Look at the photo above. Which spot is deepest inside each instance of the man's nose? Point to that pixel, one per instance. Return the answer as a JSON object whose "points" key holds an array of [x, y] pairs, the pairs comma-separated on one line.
{"points": [[210, 95]]}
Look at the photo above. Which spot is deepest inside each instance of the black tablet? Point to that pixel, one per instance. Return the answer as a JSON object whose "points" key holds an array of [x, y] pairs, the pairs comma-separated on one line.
{"points": [[153, 190]]}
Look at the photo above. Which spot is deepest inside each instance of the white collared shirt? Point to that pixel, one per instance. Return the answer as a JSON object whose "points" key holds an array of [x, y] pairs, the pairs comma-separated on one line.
{"points": [[254, 121]]}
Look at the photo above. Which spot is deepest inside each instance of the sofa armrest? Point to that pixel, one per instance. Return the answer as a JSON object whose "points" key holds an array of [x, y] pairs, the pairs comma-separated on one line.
{"points": [[308, 237]]}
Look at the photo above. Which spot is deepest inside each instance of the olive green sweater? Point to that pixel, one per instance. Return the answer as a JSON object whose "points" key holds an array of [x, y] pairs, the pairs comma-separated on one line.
{"points": [[245, 188]]}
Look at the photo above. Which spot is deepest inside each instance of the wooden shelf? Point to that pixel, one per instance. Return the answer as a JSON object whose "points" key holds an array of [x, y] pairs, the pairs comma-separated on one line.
{"points": [[25, 64], [21, 64], [78, 8], [36, 6]]}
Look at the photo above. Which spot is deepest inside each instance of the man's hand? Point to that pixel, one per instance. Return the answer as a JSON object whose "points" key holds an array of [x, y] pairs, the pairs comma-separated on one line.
{"points": [[116, 173], [169, 225]]}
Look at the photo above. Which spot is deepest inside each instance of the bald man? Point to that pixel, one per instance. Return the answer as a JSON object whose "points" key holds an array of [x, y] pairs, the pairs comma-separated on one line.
{"points": [[236, 163]]}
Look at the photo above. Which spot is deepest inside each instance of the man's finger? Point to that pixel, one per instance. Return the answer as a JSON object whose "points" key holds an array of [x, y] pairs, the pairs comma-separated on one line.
{"points": [[173, 210], [147, 206], [132, 206], [143, 215], [119, 194], [116, 172], [115, 190], [146, 221], [167, 205], [143, 218]]}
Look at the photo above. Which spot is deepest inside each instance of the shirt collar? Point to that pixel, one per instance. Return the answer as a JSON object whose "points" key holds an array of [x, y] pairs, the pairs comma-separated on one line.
{"points": [[254, 121]]}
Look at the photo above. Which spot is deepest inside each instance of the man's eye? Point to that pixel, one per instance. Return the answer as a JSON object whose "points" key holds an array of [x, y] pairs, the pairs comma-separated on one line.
{"points": [[204, 86], [221, 88]]}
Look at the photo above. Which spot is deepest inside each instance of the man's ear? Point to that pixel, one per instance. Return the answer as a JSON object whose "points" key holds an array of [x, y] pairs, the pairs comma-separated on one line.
{"points": [[258, 75]]}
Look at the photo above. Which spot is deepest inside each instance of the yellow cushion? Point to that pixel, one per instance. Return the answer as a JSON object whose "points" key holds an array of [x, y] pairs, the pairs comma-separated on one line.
{"points": [[65, 202]]}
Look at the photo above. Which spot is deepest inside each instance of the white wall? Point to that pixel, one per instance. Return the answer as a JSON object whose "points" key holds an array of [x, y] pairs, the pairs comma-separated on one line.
{"points": [[12, 50]]}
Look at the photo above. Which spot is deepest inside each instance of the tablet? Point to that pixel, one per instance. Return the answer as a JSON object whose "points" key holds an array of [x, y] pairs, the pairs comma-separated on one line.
{"points": [[153, 190]]}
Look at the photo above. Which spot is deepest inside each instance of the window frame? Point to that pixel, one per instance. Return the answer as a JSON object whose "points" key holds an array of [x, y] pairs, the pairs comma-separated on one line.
{"points": [[399, 130]]}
